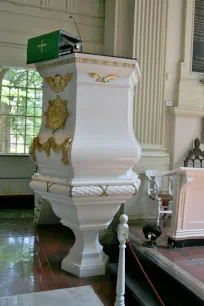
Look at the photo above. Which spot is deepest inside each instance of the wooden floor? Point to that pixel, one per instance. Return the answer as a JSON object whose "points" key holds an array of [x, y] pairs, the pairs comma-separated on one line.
{"points": [[30, 258]]}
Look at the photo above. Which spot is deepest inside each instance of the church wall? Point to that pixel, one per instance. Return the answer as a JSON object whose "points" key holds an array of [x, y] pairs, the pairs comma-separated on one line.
{"points": [[22, 19], [188, 112], [15, 175], [182, 122]]}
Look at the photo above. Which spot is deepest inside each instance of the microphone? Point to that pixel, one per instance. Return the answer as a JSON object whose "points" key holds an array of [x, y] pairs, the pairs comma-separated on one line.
{"points": [[77, 30]]}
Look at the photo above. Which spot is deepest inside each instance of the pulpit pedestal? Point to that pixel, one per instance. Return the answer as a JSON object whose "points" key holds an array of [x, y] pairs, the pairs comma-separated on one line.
{"points": [[86, 149]]}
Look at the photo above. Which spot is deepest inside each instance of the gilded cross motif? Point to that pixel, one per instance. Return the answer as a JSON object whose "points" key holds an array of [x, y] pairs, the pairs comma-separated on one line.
{"points": [[42, 45]]}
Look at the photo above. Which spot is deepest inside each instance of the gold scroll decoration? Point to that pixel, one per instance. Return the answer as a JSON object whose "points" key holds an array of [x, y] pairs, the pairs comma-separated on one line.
{"points": [[105, 79], [46, 146], [57, 113], [58, 83]]}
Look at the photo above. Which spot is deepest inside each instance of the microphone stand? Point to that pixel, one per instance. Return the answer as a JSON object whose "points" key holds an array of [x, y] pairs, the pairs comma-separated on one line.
{"points": [[77, 30]]}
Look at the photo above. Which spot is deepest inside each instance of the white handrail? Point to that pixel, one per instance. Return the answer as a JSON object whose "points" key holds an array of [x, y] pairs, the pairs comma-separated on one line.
{"points": [[123, 232]]}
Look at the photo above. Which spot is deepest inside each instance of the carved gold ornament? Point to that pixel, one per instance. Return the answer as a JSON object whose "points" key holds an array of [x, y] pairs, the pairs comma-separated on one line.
{"points": [[57, 113], [58, 83], [46, 146], [102, 79]]}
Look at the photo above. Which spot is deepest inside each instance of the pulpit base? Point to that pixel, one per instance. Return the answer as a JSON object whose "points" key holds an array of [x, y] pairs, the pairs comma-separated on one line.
{"points": [[88, 267], [86, 257], [86, 211]]}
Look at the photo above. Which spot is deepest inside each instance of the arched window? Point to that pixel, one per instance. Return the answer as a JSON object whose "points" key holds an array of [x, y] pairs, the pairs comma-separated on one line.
{"points": [[20, 109]]}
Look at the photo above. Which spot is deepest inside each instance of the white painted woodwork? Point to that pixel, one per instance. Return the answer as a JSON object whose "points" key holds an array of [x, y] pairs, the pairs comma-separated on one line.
{"points": [[87, 194], [91, 7], [188, 211], [149, 49], [123, 232]]}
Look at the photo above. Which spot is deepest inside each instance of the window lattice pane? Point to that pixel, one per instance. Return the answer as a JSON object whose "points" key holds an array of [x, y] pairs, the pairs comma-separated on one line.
{"points": [[20, 109]]}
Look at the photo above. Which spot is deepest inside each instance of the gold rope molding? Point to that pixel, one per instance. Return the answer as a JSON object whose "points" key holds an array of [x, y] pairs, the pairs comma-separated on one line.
{"points": [[46, 146]]}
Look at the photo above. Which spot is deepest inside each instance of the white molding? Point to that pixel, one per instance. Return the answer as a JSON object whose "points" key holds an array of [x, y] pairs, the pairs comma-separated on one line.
{"points": [[59, 15], [152, 161], [135, 217], [186, 65], [153, 157], [178, 111], [46, 5], [88, 191], [14, 186], [153, 150], [186, 234], [12, 45], [70, 5]]}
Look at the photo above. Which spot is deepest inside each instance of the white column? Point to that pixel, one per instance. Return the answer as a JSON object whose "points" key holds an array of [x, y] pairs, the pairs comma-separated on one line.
{"points": [[149, 49], [149, 116]]}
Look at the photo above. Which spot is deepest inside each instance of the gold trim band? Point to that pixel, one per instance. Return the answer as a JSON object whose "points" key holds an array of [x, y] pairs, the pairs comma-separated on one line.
{"points": [[87, 61]]}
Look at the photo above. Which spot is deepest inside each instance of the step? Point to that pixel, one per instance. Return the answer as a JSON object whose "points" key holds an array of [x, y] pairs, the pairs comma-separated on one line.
{"points": [[135, 290], [138, 291], [172, 291]]}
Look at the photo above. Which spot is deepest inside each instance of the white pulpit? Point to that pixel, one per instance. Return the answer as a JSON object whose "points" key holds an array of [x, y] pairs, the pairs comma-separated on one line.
{"points": [[86, 148], [187, 222]]}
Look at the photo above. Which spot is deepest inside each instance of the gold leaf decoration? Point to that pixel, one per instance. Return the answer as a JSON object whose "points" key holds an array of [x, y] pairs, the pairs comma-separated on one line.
{"points": [[105, 79], [46, 146], [57, 113], [58, 83], [88, 61]]}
